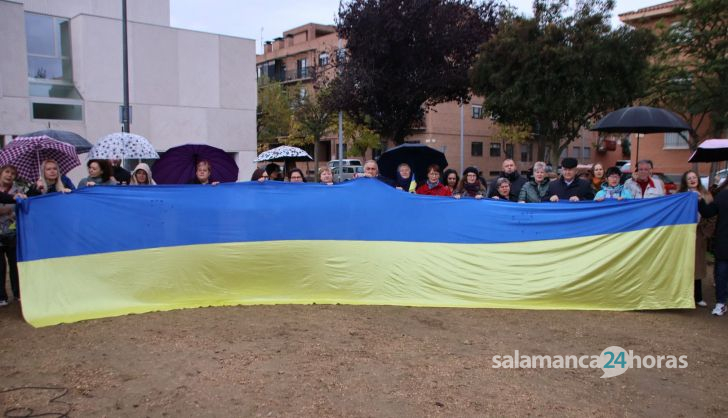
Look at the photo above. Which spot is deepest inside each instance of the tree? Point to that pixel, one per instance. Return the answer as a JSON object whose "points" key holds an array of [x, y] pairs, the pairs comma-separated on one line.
{"points": [[557, 73], [691, 70], [402, 57], [311, 120], [273, 112], [359, 138]]}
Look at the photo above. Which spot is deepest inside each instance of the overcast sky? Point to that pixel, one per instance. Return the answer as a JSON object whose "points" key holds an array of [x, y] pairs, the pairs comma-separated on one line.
{"points": [[247, 18]]}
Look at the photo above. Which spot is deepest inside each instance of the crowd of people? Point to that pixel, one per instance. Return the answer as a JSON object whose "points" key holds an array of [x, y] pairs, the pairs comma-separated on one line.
{"points": [[542, 185]]}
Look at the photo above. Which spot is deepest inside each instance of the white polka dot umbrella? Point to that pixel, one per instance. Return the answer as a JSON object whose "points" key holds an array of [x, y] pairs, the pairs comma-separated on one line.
{"points": [[121, 146]]}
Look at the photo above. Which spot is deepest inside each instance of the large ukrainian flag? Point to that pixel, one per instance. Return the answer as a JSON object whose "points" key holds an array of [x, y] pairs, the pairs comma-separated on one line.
{"points": [[107, 251]]}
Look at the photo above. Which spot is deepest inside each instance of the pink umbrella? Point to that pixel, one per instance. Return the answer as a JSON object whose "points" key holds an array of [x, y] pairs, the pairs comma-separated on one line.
{"points": [[27, 153], [710, 150]]}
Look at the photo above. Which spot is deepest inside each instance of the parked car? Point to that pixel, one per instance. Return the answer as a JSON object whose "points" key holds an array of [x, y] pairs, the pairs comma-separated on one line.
{"points": [[719, 178], [348, 172], [351, 161]]}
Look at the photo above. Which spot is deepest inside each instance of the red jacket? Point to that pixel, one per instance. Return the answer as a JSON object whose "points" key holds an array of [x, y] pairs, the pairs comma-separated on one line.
{"points": [[439, 190]]}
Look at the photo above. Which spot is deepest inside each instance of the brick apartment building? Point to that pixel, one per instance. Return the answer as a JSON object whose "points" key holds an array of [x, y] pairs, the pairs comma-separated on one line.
{"points": [[305, 52], [669, 151]]}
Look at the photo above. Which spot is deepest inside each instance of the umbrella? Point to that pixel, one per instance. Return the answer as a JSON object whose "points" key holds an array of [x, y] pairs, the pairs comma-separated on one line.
{"points": [[177, 165], [284, 153], [641, 120], [81, 144], [122, 145], [710, 150], [27, 153], [416, 155]]}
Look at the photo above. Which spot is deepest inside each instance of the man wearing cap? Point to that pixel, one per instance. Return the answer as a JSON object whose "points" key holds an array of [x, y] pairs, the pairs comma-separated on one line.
{"points": [[509, 172], [644, 186], [568, 187]]}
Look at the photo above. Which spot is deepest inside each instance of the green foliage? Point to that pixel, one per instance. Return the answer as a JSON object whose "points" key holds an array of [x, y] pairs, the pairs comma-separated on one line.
{"points": [[359, 138], [691, 70], [556, 73], [404, 56], [273, 112]]}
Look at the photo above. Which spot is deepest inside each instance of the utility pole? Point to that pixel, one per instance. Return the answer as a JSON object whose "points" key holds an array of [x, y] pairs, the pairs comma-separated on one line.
{"points": [[125, 109]]}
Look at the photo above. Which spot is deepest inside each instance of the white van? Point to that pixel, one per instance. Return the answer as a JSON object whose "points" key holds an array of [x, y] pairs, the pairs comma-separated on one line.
{"points": [[353, 161]]}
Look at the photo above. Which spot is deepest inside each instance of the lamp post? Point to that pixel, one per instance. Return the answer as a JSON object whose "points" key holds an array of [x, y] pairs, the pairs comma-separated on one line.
{"points": [[125, 109]]}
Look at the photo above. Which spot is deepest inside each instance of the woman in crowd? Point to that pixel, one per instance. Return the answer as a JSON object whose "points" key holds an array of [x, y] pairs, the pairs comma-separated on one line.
{"points": [[502, 189], [433, 186], [405, 179], [100, 173], [50, 181], [8, 260], [451, 179], [470, 186], [612, 189], [719, 206], [295, 175], [326, 176], [142, 175], [598, 177], [203, 173], [259, 175], [535, 189], [690, 182]]}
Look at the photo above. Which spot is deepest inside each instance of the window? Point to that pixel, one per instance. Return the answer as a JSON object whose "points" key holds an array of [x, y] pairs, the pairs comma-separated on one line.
{"points": [[495, 149], [676, 140], [476, 149], [51, 90], [525, 153], [587, 153], [477, 112], [576, 152], [323, 59], [509, 150], [302, 68]]}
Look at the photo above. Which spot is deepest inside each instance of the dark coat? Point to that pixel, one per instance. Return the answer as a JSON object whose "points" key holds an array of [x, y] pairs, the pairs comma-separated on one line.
{"points": [[579, 188], [517, 182], [719, 207]]}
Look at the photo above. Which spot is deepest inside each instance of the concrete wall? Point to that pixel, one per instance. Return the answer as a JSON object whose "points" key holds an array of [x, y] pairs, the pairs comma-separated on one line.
{"points": [[185, 86], [155, 12]]}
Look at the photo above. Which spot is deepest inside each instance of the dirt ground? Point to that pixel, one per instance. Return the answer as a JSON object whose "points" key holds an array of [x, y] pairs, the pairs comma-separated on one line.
{"points": [[329, 360]]}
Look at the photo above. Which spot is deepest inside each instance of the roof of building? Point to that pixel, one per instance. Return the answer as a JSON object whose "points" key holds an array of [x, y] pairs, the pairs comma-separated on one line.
{"points": [[651, 11]]}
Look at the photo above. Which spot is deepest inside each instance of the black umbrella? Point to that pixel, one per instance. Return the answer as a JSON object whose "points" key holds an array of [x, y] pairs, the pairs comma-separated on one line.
{"points": [[710, 150], [641, 120], [417, 156], [81, 144]]}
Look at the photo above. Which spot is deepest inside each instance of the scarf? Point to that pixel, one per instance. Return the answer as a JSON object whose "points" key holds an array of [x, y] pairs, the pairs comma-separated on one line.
{"points": [[473, 189]]}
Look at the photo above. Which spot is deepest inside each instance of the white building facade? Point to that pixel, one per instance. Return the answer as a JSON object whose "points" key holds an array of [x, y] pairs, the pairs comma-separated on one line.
{"points": [[61, 67]]}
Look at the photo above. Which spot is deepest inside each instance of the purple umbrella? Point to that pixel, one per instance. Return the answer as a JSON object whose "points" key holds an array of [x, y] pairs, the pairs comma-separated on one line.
{"points": [[27, 153], [177, 165]]}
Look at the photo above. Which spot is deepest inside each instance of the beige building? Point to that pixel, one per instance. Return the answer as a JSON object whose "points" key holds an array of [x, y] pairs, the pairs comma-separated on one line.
{"points": [[304, 53], [62, 68]]}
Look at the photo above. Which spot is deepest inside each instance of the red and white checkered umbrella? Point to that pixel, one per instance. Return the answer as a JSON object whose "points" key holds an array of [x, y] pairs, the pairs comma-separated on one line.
{"points": [[27, 153]]}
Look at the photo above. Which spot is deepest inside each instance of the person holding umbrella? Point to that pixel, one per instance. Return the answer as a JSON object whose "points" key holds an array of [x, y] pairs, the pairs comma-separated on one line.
{"points": [[203, 172], [405, 180], [50, 180], [644, 185]]}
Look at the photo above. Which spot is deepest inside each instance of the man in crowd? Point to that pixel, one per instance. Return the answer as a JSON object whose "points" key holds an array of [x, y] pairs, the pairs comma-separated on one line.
{"points": [[122, 175], [371, 170], [509, 172], [568, 187], [644, 185], [274, 172]]}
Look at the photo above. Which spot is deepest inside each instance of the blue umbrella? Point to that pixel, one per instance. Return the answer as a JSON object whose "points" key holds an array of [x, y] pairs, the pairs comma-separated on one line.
{"points": [[81, 144]]}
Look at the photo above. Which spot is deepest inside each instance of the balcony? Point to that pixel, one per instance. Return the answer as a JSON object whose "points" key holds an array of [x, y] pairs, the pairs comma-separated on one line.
{"points": [[300, 74]]}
